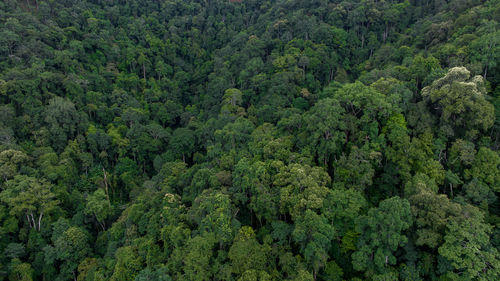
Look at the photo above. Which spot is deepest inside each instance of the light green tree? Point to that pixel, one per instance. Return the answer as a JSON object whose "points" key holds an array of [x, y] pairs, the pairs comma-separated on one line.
{"points": [[460, 103], [99, 206], [29, 197], [468, 249]]}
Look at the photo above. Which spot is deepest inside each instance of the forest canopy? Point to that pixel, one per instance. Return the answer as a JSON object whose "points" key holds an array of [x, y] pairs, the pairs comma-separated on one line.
{"points": [[249, 140]]}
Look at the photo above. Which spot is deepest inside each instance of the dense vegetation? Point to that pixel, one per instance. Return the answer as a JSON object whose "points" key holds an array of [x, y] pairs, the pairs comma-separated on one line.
{"points": [[249, 140]]}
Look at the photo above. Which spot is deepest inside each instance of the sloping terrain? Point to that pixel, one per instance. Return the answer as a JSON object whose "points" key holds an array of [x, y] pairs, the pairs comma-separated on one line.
{"points": [[249, 140]]}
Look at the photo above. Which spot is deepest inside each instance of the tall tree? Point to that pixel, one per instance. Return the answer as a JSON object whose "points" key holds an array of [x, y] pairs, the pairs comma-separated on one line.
{"points": [[460, 102], [382, 233], [31, 198]]}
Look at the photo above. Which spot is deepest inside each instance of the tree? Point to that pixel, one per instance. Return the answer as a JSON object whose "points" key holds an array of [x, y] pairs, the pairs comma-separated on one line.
{"points": [[235, 135], [14, 250], [332, 272], [381, 235], [202, 179], [342, 207], [247, 254], [70, 247], [62, 120], [213, 212], [182, 142], [301, 187], [487, 47], [231, 104], [357, 170], [255, 275], [7, 117], [303, 275], [148, 274], [363, 105], [198, 258], [98, 205], [460, 102], [421, 68], [128, 264], [143, 61], [10, 35], [324, 129], [431, 211], [29, 197], [252, 187], [461, 155], [21, 271], [314, 234], [486, 168], [468, 250], [10, 162], [398, 144], [396, 92]]}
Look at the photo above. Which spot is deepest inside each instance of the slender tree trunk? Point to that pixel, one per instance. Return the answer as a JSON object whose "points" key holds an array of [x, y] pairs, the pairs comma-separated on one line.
{"points": [[33, 220], [29, 220], [101, 224], [386, 32], [106, 185], [40, 221]]}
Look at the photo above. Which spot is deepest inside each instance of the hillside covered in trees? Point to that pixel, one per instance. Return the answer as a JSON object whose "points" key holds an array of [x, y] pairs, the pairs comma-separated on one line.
{"points": [[246, 140]]}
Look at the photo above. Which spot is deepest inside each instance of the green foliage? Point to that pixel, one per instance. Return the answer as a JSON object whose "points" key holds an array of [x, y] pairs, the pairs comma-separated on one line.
{"points": [[382, 234], [98, 205], [460, 103], [314, 234], [486, 168], [28, 197], [249, 140], [301, 187], [342, 207], [198, 257], [128, 264], [11, 161], [324, 129], [246, 254], [213, 213], [468, 250], [70, 247]]}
